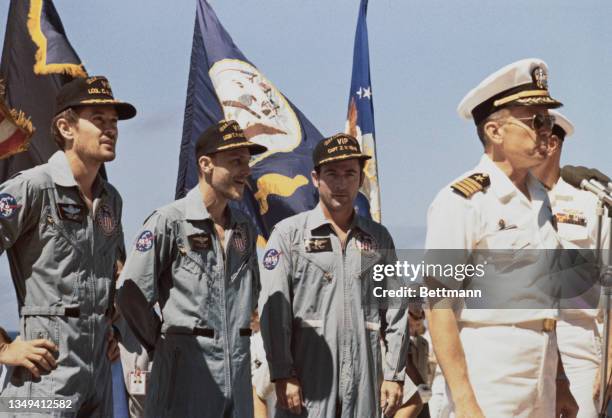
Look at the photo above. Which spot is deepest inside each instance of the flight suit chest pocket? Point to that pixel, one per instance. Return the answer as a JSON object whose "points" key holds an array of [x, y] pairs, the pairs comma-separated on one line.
{"points": [[313, 272], [193, 254], [71, 232]]}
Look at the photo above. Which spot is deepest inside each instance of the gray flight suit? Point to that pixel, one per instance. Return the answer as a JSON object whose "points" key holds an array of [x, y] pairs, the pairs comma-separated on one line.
{"points": [[63, 263], [316, 321], [201, 363]]}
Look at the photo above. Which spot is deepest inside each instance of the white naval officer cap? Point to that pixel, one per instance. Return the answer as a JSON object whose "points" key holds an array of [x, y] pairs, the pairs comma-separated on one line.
{"points": [[522, 83], [563, 127]]}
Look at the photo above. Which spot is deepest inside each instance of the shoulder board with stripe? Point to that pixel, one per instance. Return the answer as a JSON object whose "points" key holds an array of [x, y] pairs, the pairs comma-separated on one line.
{"points": [[469, 186]]}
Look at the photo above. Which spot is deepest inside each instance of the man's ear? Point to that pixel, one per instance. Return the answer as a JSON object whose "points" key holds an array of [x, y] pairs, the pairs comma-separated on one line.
{"points": [[67, 130], [554, 144], [492, 130], [315, 178], [205, 164]]}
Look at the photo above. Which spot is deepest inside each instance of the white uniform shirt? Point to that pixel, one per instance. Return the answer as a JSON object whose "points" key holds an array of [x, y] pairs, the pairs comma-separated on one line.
{"points": [[575, 213], [500, 217]]}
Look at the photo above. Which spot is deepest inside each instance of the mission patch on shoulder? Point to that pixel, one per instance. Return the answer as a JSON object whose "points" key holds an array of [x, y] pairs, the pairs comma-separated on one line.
{"points": [[471, 185]]}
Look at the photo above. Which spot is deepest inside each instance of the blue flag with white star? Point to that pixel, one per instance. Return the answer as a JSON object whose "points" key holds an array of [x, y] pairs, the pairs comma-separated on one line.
{"points": [[360, 119], [223, 84]]}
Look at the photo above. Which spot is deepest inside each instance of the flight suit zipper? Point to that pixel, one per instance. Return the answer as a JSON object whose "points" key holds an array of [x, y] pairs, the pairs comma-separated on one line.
{"points": [[226, 348], [347, 323]]}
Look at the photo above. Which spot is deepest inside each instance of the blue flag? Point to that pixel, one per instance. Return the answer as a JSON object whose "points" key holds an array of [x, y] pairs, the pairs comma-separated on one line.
{"points": [[360, 119], [223, 84], [37, 59]]}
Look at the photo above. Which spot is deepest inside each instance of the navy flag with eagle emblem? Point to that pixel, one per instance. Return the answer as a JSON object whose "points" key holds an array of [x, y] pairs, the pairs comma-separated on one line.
{"points": [[223, 84]]}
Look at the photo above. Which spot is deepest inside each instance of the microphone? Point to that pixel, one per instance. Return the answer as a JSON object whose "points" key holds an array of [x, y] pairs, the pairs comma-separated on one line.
{"points": [[598, 178], [582, 178], [602, 178]]}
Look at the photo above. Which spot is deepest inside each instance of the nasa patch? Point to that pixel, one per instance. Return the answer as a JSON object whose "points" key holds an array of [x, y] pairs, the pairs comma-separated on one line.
{"points": [[271, 258], [8, 205], [106, 220], [239, 239], [145, 241], [366, 242]]}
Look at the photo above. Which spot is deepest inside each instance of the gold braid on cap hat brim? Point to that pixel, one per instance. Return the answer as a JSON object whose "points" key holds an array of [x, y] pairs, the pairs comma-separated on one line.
{"points": [[240, 144], [344, 157], [521, 95]]}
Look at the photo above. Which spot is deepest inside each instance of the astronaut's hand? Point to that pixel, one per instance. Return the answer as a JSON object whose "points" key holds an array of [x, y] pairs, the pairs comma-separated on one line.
{"points": [[34, 355], [391, 394], [112, 348], [289, 395]]}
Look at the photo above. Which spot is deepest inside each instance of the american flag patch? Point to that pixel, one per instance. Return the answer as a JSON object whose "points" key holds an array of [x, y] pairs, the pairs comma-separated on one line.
{"points": [[106, 220]]}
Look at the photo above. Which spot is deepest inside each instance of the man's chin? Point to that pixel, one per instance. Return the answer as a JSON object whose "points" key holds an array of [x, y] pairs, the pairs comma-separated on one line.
{"points": [[107, 157]]}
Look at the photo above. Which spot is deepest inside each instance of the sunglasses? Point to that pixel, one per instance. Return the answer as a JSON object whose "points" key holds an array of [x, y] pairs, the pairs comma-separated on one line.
{"points": [[540, 122]]}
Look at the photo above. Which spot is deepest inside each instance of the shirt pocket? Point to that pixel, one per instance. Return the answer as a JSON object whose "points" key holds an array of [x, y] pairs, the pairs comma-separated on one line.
{"points": [[314, 274], [64, 232], [572, 233]]}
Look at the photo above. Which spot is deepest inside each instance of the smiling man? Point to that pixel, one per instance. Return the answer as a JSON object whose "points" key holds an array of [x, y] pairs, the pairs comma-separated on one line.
{"points": [[321, 332], [61, 225], [197, 258]]}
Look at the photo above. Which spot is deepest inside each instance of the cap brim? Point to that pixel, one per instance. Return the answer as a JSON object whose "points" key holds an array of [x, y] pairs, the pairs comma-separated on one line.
{"points": [[363, 157], [545, 101], [253, 147], [124, 110]]}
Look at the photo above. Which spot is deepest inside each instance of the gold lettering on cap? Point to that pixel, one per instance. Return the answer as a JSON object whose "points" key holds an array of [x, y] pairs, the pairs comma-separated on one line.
{"points": [[233, 135], [342, 140]]}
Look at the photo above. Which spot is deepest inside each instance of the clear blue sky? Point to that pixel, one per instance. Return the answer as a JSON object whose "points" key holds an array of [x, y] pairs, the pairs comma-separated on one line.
{"points": [[425, 56]]}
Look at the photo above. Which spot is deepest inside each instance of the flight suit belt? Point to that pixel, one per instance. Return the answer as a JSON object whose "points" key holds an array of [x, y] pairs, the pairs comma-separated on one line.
{"points": [[69, 311], [543, 325], [205, 332]]}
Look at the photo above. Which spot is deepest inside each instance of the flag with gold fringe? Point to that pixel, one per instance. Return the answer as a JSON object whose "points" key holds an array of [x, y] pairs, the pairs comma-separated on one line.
{"points": [[15, 129], [37, 59]]}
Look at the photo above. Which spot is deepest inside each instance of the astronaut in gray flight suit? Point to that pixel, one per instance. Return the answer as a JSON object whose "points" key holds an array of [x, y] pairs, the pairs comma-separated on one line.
{"points": [[197, 258], [61, 225], [321, 331]]}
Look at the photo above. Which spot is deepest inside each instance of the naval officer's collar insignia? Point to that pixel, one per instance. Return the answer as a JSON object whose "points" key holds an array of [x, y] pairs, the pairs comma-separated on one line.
{"points": [[477, 182]]}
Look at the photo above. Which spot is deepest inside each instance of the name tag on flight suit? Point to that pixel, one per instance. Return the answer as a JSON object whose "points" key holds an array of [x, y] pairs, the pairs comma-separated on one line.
{"points": [[71, 212], [317, 245], [200, 242]]}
